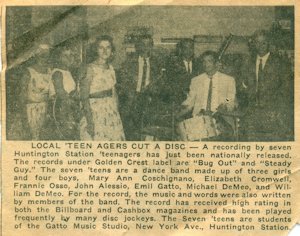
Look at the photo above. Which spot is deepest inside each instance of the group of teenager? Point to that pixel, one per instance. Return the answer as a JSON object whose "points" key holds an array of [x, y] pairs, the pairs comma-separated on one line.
{"points": [[111, 105], [56, 106]]}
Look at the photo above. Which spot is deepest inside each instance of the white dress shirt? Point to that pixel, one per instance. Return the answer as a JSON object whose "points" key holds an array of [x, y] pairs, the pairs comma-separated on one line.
{"points": [[140, 73], [223, 92], [264, 60], [188, 66]]}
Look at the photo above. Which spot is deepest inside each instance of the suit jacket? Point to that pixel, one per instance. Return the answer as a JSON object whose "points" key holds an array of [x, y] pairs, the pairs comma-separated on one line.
{"points": [[178, 80], [128, 79], [273, 114], [274, 85]]}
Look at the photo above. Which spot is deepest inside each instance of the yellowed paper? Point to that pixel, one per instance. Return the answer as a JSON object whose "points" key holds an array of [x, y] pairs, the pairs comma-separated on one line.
{"points": [[56, 181]]}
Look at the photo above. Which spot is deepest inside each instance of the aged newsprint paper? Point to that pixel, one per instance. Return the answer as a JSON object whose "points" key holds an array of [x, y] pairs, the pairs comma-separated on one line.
{"points": [[149, 117]]}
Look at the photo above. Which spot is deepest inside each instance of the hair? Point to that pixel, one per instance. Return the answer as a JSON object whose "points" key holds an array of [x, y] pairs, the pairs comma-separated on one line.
{"points": [[43, 46], [181, 43], [92, 50], [38, 51], [57, 52], [210, 53], [251, 42], [263, 32], [142, 37], [184, 41], [105, 38]]}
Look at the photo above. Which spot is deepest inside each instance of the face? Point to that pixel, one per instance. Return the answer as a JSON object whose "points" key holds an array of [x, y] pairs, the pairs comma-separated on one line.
{"points": [[261, 45], [67, 58], [104, 50], [43, 54], [187, 50], [145, 46], [44, 58], [209, 64]]}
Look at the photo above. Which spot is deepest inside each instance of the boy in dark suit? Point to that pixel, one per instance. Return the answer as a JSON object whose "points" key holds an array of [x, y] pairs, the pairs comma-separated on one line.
{"points": [[180, 70], [269, 91], [138, 74]]}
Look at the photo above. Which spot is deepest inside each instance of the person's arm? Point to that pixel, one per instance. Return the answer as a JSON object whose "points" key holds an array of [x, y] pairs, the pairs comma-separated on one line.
{"points": [[124, 79], [57, 79], [169, 81], [114, 92], [84, 95], [188, 104], [286, 89], [243, 83], [23, 98], [183, 111], [285, 99], [231, 102], [24, 87]]}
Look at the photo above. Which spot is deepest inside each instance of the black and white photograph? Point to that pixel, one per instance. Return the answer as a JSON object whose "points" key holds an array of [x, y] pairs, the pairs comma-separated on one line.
{"points": [[150, 73]]}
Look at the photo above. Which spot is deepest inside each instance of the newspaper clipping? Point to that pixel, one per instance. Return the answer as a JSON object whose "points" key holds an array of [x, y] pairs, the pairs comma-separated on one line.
{"points": [[149, 118]]}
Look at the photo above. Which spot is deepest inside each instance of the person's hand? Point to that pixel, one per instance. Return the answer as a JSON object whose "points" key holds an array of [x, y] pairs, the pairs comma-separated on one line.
{"points": [[222, 108], [75, 95], [202, 112], [91, 129]]}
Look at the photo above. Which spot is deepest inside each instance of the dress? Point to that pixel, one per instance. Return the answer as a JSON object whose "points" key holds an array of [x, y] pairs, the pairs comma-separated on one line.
{"points": [[107, 122], [37, 97]]}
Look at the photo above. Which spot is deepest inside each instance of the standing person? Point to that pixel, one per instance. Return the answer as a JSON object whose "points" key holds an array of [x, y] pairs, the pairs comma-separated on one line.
{"points": [[63, 93], [180, 70], [268, 87], [101, 119], [34, 96], [138, 74]]}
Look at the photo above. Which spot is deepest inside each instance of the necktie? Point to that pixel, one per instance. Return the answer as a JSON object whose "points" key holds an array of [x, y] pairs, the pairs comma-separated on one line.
{"points": [[209, 97], [259, 81], [144, 75], [188, 67]]}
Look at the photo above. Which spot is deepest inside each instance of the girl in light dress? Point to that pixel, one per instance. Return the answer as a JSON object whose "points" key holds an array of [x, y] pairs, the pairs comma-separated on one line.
{"points": [[35, 84], [41, 86], [101, 120]]}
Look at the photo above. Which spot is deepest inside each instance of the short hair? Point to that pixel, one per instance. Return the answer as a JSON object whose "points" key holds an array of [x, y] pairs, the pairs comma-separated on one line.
{"points": [[210, 53], [66, 46], [262, 32], [142, 37], [58, 50], [182, 42], [42, 49], [105, 38], [39, 50]]}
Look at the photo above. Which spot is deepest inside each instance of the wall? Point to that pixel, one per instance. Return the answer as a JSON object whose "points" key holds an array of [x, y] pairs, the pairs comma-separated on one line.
{"points": [[175, 21], [170, 21]]}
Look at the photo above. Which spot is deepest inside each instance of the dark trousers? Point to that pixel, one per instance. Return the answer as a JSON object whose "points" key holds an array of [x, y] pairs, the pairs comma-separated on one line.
{"points": [[134, 116]]}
